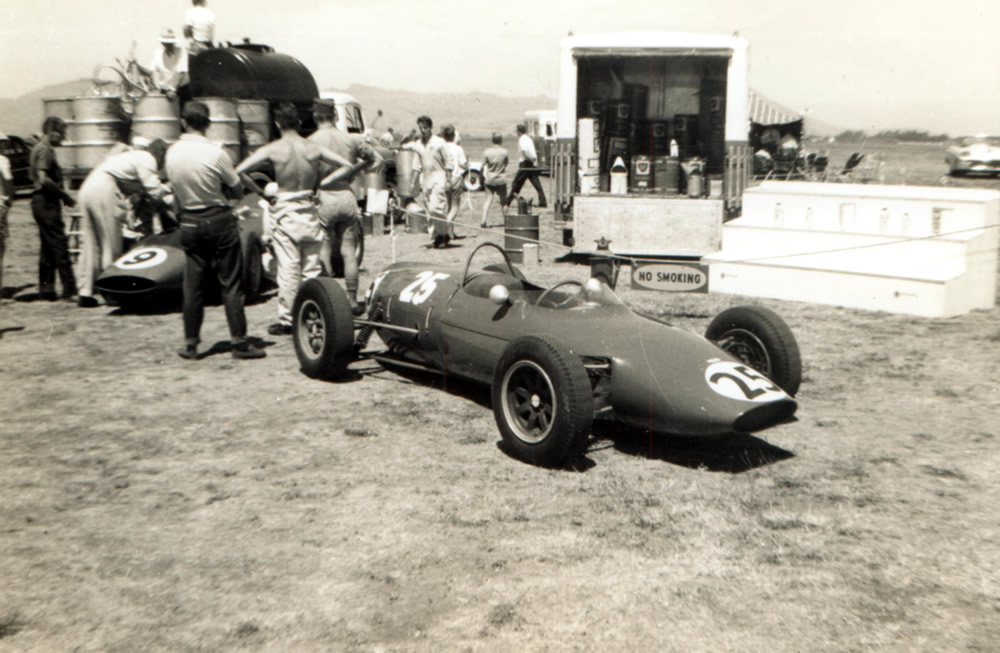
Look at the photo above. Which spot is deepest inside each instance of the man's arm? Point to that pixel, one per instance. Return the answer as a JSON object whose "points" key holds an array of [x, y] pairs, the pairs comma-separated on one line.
{"points": [[345, 169], [253, 162]]}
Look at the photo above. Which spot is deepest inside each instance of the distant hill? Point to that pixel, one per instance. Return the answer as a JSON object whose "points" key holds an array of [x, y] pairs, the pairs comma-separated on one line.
{"points": [[475, 114]]}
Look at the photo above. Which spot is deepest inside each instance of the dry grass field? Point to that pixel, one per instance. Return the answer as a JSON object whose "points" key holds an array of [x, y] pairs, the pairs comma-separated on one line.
{"points": [[155, 504]]}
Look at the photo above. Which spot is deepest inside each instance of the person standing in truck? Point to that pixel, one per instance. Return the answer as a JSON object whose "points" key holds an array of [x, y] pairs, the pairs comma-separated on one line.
{"points": [[169, 68], [199, 27], [527, 167], [47, 199], [203, 180], [294, 227], [338, 206]]}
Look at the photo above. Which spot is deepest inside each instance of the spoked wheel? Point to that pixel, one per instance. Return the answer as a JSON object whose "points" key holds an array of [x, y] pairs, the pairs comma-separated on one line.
{"points": [[323, 328], [542, 401], [761, 339]]}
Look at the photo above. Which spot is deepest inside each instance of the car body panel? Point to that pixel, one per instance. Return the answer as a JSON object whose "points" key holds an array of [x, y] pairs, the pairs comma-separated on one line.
{"points": [[662, 377], [974, 154]]}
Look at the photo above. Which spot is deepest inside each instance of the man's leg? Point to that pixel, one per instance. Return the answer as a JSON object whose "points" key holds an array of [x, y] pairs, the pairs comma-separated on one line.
{"points": [[486, 206], [86, 265], [229, 267], [345, 236], [515, 187], [194, 273], [533, 177], [286, 253], [41, 211]]}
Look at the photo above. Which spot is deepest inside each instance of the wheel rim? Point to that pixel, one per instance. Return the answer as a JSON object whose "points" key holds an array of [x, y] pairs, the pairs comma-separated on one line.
{"points": [[529, 401], [747, 347], [311, 329]]}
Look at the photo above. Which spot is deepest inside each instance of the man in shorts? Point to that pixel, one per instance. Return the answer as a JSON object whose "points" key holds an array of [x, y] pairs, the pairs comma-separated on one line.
{"points": [[495, 160]]}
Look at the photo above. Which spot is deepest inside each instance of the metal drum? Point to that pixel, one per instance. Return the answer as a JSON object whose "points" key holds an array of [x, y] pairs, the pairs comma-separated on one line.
{"points": [[97, 126], [59, 107], [85, 156], [97, 107], [255, 122], [156, 116], [404, 171], [225, 125], [519, 229]]}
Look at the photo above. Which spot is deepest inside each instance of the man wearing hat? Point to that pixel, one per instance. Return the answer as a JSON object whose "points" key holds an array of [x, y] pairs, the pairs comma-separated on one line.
{"points": [[104, 207], [169, 68]]}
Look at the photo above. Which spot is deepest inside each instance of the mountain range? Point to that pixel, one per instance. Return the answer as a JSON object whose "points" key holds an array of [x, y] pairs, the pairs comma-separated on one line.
{"points": [[475, 114]]}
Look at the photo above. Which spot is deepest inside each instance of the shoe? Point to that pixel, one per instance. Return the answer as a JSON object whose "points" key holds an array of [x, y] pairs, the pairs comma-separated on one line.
{"points": [[447, 239], [356, 308], [438, 242], [48, 296], [543, 205], [87, 302], [483, 225], [246, 350], [188, 352], [280, 329]]}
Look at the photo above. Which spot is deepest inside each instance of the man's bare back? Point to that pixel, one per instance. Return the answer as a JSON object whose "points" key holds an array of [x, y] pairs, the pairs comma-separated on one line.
{"points": [[297, 162]]}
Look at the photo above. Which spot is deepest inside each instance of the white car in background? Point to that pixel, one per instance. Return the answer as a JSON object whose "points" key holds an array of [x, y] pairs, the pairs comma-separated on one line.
{"points": [[974, 154]]}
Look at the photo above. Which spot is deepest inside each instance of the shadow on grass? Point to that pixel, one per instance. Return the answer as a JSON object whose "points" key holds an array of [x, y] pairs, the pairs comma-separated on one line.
{"points": [[733, 452]]}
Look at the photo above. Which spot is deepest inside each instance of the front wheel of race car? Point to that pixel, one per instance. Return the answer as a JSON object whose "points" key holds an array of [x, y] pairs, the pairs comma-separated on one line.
{"points": [[323, 328], [542, 401], [761, 339]]}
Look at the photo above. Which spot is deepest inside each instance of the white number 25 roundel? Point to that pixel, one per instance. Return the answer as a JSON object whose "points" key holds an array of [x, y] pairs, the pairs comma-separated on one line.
{"points": [[425, 285], [739, 381], [142, 257]]}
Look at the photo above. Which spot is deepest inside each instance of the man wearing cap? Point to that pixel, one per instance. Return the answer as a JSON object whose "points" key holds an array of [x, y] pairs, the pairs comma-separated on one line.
{"points": [[169, 68], [203, 181], [47, 199], [338, 206], [104, 206], [199, 27], [6, 199]]}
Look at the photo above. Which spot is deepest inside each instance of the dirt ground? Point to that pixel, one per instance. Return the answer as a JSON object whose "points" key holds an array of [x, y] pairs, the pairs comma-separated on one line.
{"points": [[152, 503]]}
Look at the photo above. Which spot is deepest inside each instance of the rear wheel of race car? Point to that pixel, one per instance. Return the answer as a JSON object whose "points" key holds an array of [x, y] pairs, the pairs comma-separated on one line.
{"points": [[473, 181], [323, 328], [542, 401], [761, 339], [337, 261], [253, 268]]}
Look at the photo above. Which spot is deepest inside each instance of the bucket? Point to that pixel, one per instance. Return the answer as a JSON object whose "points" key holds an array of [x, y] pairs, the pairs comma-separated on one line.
{"points": [[97, 107], [59, 107], [715, 186], [642, 173], [666, 175], [255, 121], [416, 220], [518, 230]]}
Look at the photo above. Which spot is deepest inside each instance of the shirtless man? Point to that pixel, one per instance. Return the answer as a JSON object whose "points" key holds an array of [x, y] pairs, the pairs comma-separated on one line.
{"points": [[292, 224]]}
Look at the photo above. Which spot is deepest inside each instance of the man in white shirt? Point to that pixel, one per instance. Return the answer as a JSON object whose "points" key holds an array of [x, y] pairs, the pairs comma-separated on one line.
{"points": [[103, 201], [199, 27], [527, 168], [169, 68], [6, 199]]}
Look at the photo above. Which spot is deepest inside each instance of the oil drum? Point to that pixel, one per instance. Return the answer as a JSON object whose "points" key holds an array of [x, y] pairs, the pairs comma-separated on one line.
{"points": [[156, 116], [519, 229], [225, 124]]}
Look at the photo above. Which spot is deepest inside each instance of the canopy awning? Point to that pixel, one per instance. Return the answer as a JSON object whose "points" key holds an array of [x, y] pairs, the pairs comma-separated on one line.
{"points": [[765, 111]]}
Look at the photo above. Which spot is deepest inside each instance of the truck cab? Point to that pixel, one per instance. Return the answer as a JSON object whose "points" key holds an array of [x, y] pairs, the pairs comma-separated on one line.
{"points": [[651, 147]]}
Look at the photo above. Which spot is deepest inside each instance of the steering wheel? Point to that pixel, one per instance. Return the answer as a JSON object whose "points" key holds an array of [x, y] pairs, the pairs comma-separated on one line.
{"points": [[564, 282], [468, 261]]}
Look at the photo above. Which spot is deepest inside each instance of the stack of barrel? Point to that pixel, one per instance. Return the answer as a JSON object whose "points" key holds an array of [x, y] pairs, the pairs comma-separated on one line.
{"points": [[96, 123]]}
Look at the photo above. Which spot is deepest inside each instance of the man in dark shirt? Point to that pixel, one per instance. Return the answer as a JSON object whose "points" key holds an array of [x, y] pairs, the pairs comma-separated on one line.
{"points": [[203, 179], [47, 199]]}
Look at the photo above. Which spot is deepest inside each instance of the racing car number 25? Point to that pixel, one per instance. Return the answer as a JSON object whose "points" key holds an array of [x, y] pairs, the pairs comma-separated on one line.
{"points": [[426, 283]]}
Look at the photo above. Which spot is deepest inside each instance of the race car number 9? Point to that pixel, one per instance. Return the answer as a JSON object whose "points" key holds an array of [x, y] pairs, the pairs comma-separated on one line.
{"points": [[738, 381], [143, 257], [425, 285]]}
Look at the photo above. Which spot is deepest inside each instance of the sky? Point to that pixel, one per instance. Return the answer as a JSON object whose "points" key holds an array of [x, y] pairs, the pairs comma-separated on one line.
{"points": [[873, 65]]}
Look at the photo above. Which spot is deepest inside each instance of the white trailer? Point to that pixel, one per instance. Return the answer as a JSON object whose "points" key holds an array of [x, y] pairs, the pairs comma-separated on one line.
{"points": [[674, 108]]}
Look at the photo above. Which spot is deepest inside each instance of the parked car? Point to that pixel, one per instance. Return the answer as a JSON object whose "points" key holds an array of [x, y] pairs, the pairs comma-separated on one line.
{"points": [[974, 154], [18, 151], [557, 358]]}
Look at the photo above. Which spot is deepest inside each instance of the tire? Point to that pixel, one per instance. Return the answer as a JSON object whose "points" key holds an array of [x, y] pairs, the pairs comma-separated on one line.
{"points": [[337, 261], [542, 401], [323, 328], [761, 339], [253, 267], [473, 181]]}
